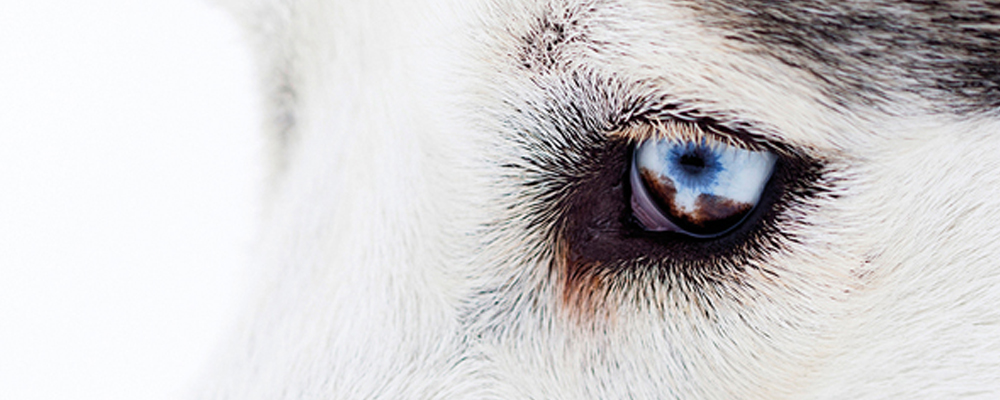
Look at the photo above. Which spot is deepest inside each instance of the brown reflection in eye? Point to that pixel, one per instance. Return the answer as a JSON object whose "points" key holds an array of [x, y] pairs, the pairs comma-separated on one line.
{"points": [[711, 214]]}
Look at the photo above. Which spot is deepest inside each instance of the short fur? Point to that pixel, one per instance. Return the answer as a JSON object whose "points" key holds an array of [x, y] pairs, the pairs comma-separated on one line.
{"points": [[449, 218]]}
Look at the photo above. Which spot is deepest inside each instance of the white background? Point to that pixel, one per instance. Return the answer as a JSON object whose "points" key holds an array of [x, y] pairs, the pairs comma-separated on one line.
{"points": [[129, 179]]}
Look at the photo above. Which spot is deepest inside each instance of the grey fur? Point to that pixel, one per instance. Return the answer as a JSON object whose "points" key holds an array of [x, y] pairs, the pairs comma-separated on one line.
{"points": [[869, 52]]}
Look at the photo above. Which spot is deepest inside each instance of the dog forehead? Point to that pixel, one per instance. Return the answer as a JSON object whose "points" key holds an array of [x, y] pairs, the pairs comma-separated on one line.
{"points": [[644, 52], [894, 57], [797, 68], [860, 51]]}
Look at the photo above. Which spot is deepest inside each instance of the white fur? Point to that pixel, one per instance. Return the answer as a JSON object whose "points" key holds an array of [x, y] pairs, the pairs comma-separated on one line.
{"points": [[375, 239]]}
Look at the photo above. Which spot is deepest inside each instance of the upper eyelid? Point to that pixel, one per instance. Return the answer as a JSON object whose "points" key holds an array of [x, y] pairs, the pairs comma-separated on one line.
{"points": [[724, 125], [682, 130], [747, 137]]}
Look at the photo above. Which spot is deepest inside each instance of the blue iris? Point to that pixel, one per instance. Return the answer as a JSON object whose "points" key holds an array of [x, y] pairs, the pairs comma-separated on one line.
{"points": [[693, 165], [701, 187]]}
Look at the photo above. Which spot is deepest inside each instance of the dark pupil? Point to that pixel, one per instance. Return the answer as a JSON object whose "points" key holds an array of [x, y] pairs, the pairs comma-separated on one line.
{"points": [[692, 163]]}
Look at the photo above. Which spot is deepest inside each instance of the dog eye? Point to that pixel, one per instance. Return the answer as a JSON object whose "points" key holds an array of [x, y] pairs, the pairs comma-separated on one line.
{"points": [[699, 187]]}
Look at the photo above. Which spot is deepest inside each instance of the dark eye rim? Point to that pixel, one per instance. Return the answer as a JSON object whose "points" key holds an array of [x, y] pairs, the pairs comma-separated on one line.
{"points": [[598, 229]]}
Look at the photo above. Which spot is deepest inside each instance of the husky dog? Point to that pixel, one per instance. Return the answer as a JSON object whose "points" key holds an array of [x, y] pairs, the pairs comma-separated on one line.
{"points": [[610, 199]]}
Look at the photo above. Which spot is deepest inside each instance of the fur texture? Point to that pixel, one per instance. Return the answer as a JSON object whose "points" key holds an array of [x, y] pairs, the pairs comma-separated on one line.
{"points": [[449, 218]]}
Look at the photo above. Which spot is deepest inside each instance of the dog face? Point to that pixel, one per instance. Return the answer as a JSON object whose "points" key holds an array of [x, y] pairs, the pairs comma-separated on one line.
{"points": [[461, 206]]}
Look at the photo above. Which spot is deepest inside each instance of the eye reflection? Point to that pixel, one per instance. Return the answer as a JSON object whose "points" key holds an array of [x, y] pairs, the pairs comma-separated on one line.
{"points": [[695, 184]]}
